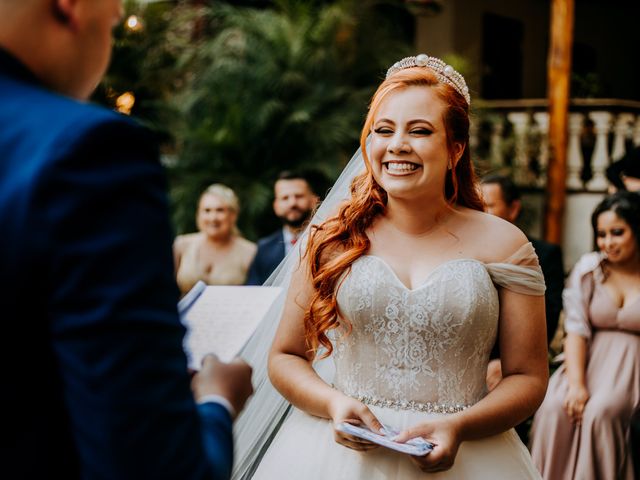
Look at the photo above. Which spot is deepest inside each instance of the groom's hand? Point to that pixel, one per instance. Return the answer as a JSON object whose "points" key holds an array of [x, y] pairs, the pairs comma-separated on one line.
{"points": [[229, 380]]}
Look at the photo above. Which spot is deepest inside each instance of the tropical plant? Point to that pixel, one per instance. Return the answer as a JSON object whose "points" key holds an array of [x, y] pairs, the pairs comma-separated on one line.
{"points": [[240, 93], [144, 64], [272, 89]]}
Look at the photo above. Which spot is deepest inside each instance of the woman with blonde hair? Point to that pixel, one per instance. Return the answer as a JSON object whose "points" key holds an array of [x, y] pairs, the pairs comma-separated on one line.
{"points": [[405, 287], [217, 254]]}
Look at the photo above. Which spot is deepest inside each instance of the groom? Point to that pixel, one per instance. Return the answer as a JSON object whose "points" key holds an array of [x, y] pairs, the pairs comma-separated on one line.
{"points": [[94, 380]]}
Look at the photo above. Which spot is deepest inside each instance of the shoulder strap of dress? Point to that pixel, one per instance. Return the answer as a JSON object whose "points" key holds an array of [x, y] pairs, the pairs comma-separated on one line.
{"points": [[520, 272]]}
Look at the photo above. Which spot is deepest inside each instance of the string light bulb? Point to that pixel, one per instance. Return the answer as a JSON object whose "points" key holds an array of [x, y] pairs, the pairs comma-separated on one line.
{"points": [[133, 23], [125, 103]]}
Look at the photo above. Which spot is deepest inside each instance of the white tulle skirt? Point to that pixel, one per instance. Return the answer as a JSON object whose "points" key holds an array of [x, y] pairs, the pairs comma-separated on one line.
{"points": [[304, 449]]}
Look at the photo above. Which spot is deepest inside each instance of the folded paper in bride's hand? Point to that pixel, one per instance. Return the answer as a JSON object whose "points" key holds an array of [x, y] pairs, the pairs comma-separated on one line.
{"points": [[416, 446], [220, 319]]}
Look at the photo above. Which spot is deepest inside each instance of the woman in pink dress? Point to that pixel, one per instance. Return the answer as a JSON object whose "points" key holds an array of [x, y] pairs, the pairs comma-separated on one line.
{"points": [[582, 429]]}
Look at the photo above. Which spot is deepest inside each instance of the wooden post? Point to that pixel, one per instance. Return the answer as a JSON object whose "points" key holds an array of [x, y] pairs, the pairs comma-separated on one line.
{"points": [[559, 65]]}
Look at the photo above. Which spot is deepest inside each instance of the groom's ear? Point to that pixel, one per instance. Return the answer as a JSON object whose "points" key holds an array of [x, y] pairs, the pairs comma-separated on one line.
{"points": [[514, 210], [66, 12]]}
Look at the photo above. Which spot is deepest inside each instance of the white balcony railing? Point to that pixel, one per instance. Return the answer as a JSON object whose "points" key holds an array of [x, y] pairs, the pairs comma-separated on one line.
{"points": [[511, 136]]}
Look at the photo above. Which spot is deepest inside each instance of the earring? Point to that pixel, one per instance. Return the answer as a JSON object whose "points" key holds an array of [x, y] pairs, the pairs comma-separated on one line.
{"points": [[449, 165]]}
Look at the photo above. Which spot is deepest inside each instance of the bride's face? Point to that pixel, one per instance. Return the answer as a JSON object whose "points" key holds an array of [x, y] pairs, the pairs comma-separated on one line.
{"points": [[409, 154]]}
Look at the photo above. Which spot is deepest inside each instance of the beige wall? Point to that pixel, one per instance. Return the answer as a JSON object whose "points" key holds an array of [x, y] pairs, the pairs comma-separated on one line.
{"points": [[610, 28], [458, 29]]}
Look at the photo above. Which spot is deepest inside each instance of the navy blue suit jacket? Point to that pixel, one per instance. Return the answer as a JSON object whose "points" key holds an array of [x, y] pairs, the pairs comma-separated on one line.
{"points": [[269, 255], [550, 258], [94, 378]]}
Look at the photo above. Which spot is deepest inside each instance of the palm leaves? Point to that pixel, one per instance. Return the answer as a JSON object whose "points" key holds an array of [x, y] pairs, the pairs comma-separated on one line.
{"points": [[274, 89], [242, 93]]}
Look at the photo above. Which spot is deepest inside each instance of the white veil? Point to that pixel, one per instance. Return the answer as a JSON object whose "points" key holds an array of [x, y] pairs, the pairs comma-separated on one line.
{"points": [[267, 409]]}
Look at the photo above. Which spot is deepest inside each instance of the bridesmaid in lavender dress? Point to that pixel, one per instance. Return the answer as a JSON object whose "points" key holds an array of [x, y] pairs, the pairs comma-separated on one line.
{"points": [[582, 429]]}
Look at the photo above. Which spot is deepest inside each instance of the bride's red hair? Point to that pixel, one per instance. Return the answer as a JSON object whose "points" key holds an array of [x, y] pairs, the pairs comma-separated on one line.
{"points": [[335, 244]]}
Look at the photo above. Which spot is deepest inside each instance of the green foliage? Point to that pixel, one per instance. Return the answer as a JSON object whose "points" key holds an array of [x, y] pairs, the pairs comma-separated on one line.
{"points": [[144, 62], [247, 92]]}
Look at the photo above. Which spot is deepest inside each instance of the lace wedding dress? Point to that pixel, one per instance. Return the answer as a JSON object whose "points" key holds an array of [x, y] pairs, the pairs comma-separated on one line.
{"points": [[411, 355]]}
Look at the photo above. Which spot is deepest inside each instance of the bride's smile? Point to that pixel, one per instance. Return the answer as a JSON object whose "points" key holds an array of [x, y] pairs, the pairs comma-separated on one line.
{"points": [[400, 167]]}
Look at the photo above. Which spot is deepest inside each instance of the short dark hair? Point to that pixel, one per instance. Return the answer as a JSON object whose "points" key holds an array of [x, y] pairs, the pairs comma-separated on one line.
{"points": [[625, 205], [510, 192], [316, 180], [292, 175]]}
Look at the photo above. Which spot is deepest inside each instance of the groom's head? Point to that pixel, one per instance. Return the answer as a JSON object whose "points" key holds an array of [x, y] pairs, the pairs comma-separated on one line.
{"points": [[65, 43]]}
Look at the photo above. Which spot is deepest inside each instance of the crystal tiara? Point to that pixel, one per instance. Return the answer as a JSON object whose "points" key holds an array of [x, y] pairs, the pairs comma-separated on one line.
{"points": [[444, 72]]}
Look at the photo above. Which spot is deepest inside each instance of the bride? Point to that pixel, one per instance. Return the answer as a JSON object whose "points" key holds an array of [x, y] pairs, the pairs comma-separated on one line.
{"points": [[406, 289]]}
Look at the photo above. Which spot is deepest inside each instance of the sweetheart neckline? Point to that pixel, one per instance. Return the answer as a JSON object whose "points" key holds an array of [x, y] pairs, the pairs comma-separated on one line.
{"points": [[611, 300], [424, 282]]}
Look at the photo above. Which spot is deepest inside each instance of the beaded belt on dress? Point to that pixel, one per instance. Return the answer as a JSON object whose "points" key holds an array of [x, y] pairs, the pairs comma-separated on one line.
{"points": [[427, 407]]}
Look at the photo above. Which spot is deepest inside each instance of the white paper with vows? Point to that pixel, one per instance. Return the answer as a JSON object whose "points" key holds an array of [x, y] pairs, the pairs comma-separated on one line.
{"points": [[220, 319]]}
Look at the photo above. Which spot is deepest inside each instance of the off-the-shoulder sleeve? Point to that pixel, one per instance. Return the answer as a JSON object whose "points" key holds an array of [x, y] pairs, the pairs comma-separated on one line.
{"points": [[577, 294], [520, 272]]}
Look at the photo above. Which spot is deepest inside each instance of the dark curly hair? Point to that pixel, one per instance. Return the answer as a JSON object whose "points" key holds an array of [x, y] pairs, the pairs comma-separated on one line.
{"points": [[625, 205]]}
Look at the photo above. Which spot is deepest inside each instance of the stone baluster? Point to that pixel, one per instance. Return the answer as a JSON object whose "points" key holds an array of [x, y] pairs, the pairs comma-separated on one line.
{"points": [[636, 132], [621, 131], [495, 150], [575, 161], [600, 159], [542, 121], [520, 122]]}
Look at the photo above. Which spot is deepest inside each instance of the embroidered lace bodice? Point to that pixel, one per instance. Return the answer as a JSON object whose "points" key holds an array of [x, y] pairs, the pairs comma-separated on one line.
{"points": [[429, 345]]}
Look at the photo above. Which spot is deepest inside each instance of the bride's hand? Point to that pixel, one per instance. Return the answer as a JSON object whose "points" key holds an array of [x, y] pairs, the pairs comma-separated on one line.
{"points": [[574, 402], [350, 410], [444, 434]]}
